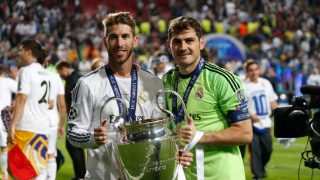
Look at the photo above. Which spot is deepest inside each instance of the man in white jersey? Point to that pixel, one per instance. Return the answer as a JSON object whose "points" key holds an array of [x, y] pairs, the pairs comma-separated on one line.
{"points": [[262, 100], [27, 135], [118, 78], [57, 116], [8, 87]]}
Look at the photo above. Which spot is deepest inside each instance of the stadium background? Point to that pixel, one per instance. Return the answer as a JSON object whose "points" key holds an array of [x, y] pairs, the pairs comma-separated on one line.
{"points": [[282, 34]]}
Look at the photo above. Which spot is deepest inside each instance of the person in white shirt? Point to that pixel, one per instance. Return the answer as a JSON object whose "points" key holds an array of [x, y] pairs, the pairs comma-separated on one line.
{"points": [[30, 122], [8, 87], [262, 100], [121, 78], [84, 66], [160, 65], [314, 77], [57, 116]]}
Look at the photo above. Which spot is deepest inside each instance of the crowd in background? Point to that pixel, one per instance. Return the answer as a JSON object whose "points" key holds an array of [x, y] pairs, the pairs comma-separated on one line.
{"points": [[284, 35]]}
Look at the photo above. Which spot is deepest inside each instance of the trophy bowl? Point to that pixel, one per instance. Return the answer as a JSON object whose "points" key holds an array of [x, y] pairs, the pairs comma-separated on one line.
{"points": [[147, 149]]}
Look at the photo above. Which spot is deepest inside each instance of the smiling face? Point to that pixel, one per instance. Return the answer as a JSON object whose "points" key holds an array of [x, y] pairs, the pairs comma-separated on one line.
{"points": [[120, 42], [185, 47]]}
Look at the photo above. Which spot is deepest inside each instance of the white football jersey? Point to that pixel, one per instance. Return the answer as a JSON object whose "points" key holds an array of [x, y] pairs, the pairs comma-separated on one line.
{"points": [[260, 95], [89, 96], [57, 88], [34, 81], [7, 87]]}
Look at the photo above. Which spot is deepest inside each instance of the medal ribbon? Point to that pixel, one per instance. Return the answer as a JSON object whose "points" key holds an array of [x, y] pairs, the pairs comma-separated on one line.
{"points": [[133, 96], [194, 76]]}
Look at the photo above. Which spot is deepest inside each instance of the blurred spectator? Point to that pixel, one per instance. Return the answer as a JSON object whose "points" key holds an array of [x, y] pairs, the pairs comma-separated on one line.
{"points": [[62, 52], [160, 65], [8, 87], [13, 71], [262, 100], [77, 154], [84, 66], [314, 78]]}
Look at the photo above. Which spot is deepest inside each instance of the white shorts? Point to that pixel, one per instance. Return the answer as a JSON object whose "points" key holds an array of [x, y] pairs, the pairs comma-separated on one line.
{"points": [[52, 142], [3, 135]]}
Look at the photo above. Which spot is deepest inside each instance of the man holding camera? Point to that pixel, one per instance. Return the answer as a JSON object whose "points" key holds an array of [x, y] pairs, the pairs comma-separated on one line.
{"points": [[262, 100]]}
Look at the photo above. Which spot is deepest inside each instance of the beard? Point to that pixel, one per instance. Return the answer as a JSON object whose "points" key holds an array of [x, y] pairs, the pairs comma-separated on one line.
{"points": [[114, 58]]}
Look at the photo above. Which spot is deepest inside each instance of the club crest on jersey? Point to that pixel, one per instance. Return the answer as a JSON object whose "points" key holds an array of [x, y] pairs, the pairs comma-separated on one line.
{"points": [[240, 95], [199, 93], [143, 97]]}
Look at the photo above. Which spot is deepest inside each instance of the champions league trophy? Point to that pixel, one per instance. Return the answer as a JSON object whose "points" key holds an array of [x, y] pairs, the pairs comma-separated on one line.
{"points": [[145, 149]]}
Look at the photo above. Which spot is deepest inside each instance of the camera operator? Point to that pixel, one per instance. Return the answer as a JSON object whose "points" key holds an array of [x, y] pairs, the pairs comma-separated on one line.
{"points": [[262, 100]]}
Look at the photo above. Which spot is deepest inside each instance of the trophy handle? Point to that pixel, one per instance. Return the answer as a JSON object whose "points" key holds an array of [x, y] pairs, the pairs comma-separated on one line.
{"points": [[172, 116], [118, 122]]}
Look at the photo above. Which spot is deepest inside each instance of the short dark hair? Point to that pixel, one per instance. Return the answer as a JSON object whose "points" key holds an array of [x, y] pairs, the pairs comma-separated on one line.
{"points": [[249, 62], [33, 46], [42, 56], [118, 18], [183, 23], [62, 64]]}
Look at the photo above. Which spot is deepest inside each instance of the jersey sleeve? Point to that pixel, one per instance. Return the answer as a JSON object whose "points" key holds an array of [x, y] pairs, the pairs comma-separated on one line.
{"points": [[79, 118], [271, 94], [24, 81], [13, 85], [232, 99], [53, 87]]}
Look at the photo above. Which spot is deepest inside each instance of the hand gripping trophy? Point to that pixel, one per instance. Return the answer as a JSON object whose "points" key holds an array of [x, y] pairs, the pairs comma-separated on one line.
{"points": [[146, 149]]}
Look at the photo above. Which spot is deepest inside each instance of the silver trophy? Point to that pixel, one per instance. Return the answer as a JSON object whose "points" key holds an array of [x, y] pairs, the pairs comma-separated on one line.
{"points": [[145, 149]]}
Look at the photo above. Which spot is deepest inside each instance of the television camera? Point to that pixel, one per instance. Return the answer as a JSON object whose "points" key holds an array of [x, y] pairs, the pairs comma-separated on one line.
{"points": [[296, 120]]}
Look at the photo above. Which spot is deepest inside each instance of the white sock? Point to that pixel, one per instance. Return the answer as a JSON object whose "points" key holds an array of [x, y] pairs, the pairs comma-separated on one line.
{"points": [[52, 169], [4, 163], [43, 174]]}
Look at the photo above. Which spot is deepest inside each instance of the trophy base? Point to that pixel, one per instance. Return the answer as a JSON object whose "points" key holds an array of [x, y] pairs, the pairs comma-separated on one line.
{"points": [[148, 160]]}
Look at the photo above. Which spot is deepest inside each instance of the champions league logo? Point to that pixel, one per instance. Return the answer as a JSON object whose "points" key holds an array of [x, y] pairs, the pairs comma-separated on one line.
{"points": [[73, 113], [227, 46]]}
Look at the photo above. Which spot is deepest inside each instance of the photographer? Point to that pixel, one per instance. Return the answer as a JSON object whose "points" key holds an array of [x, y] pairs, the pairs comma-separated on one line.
{"points": [[262, 100]]}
